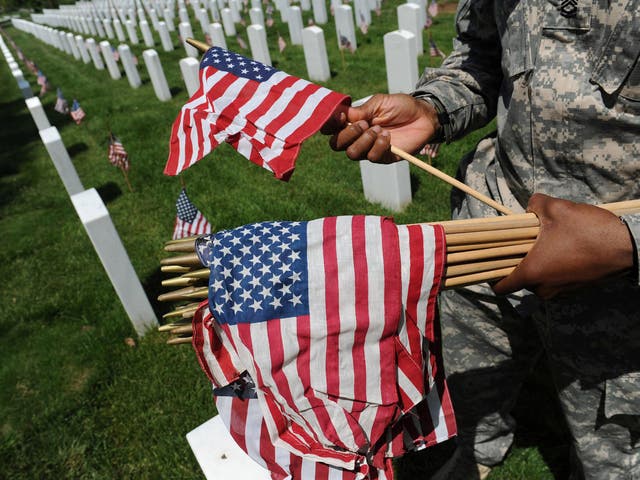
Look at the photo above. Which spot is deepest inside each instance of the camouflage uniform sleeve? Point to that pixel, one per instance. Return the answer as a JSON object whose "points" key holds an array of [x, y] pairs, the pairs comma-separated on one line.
{"points": [[466, 86], [633, 222]]}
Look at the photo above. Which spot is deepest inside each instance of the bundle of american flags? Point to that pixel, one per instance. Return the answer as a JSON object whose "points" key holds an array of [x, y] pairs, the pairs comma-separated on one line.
{"points": [[322, 343]]}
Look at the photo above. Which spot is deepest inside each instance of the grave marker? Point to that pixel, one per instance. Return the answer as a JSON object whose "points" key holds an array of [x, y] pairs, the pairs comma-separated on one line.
{"points": [[37, 113], [190, 69], [258, 43], [227, 22], [217, 35], [95, 54], [130, 68], [186, 32], [131, 31], [295, 25], [344, 26], [117, 26], [165, 38], [61, 160], [409, 19], [315, 54], [82, 48], [158, 79], [147, 36], [108, 29]]}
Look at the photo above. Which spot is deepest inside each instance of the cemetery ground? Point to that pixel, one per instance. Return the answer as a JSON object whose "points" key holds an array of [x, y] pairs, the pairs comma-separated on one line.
{"points": [[78, 399]]}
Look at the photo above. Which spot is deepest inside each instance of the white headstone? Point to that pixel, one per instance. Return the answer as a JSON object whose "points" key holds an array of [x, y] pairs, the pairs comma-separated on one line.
{"points": [[82, 48], [147, 36], [168, 19], [315, 54], [158, 79], [213, 10], [409, 19], [186, 32], [61, 160], [165, 38], [37, 113], [95, 54], [390, 185], [295, 25], [305, 5], [131, 31], [92, 27], [109, 60], [235, 6], [219, 455], [401, 61], [344, 25], [422, 8], [107, 28], [190, 69], [183, 15], [117, 26], [154, 18], [203, 19], [130, 68], [258, 43], [104, 237], [227, 22], [62, 38], [217, 35], [362, 12], [74, 46], [99, 28], [256, 16]]}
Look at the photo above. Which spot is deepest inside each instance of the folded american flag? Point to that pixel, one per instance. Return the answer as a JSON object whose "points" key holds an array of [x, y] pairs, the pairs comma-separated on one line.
{"points": [[265, 114], [334, 321], [189, 220]]}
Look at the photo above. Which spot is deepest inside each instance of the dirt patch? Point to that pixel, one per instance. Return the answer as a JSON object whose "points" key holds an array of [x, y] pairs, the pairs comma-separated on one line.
{"points": [[447, 7]]}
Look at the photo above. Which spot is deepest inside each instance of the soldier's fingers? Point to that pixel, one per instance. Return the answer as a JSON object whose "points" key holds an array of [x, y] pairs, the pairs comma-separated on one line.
{"points": [[345, 137], [361, 148], [380, 150]]}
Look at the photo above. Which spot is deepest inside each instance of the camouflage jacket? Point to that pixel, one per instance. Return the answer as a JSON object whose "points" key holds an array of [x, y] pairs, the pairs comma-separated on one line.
{"points": [[562, 78]]}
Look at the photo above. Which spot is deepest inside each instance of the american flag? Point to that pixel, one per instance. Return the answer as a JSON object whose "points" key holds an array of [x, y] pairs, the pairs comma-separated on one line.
{"points": [[433, 8], [117, 155], [345, 43], [76, 112], [189, 220], [116, 53], [434, 51], [281, 43], [241, 43], [364, 26], [45, 86], [325, 317], [61, 106], [265, 114]]}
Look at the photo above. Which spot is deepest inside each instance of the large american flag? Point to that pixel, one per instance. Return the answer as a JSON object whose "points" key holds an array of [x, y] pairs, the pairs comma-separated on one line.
{"points": [[265, 114], [189, 220], [117, 155], [334, 321]]}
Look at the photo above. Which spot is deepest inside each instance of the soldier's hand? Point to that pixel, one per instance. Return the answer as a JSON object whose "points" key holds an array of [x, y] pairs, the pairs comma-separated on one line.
{"points": [[368, 131], [577, 244]]}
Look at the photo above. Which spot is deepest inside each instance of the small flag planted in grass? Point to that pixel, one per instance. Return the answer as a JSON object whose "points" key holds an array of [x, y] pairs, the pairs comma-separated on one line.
{"points": [[346, 44], [116, 54], [265, 114], [434, 51], [77, 113], [118, 157], [364, 28], [433, 8], [62, 106], [189, 220], [281, 43], [45, 86]]}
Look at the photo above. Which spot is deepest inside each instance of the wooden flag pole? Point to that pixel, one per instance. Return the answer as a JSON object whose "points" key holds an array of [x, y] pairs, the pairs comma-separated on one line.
{"points": [[203, 47]]}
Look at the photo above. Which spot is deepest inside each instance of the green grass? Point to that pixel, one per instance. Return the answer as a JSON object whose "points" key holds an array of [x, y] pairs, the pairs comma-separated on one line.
{"points": [[75, 400]]}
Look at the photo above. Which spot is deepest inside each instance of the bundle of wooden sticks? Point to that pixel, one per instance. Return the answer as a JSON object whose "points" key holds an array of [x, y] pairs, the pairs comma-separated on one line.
{"points": [[478, 250]]}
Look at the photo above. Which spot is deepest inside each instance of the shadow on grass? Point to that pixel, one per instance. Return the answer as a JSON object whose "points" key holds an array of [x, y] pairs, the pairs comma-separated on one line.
{"points": [[77, 148], [175, 91], [548, 434], [109, 192], [153, 287]]}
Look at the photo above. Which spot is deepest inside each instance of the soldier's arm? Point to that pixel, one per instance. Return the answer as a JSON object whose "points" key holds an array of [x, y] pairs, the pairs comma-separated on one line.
{"points": [[465, 88], [633, 223]]}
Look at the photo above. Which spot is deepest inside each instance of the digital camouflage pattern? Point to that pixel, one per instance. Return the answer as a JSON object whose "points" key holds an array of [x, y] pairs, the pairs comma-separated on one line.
{"points": [[563, 80]]}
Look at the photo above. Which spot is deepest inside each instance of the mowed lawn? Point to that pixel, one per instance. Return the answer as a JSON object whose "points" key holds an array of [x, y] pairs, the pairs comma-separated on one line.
{"points": [[77, 400]]}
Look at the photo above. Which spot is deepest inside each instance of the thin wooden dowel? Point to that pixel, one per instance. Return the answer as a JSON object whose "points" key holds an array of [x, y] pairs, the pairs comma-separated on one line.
{"points": [[188, 293], [487, 253], [174, 269], [192, 307], [625, 204], [180, 282], [179, 340], [182, 329], [201, 273], [477, 277], [180, 247], [189, 259], [170, 326], [190, 239], [450, 180], [468, 268], [492, 236], [520, 220], [480, 246]]}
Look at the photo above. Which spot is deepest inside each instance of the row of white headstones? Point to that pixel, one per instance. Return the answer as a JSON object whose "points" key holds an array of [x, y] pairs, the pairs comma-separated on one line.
{"points": [[385, 184]]}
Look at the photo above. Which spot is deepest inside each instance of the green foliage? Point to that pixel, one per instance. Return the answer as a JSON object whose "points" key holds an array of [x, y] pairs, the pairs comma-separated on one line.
{"points": [[75, 400]]}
